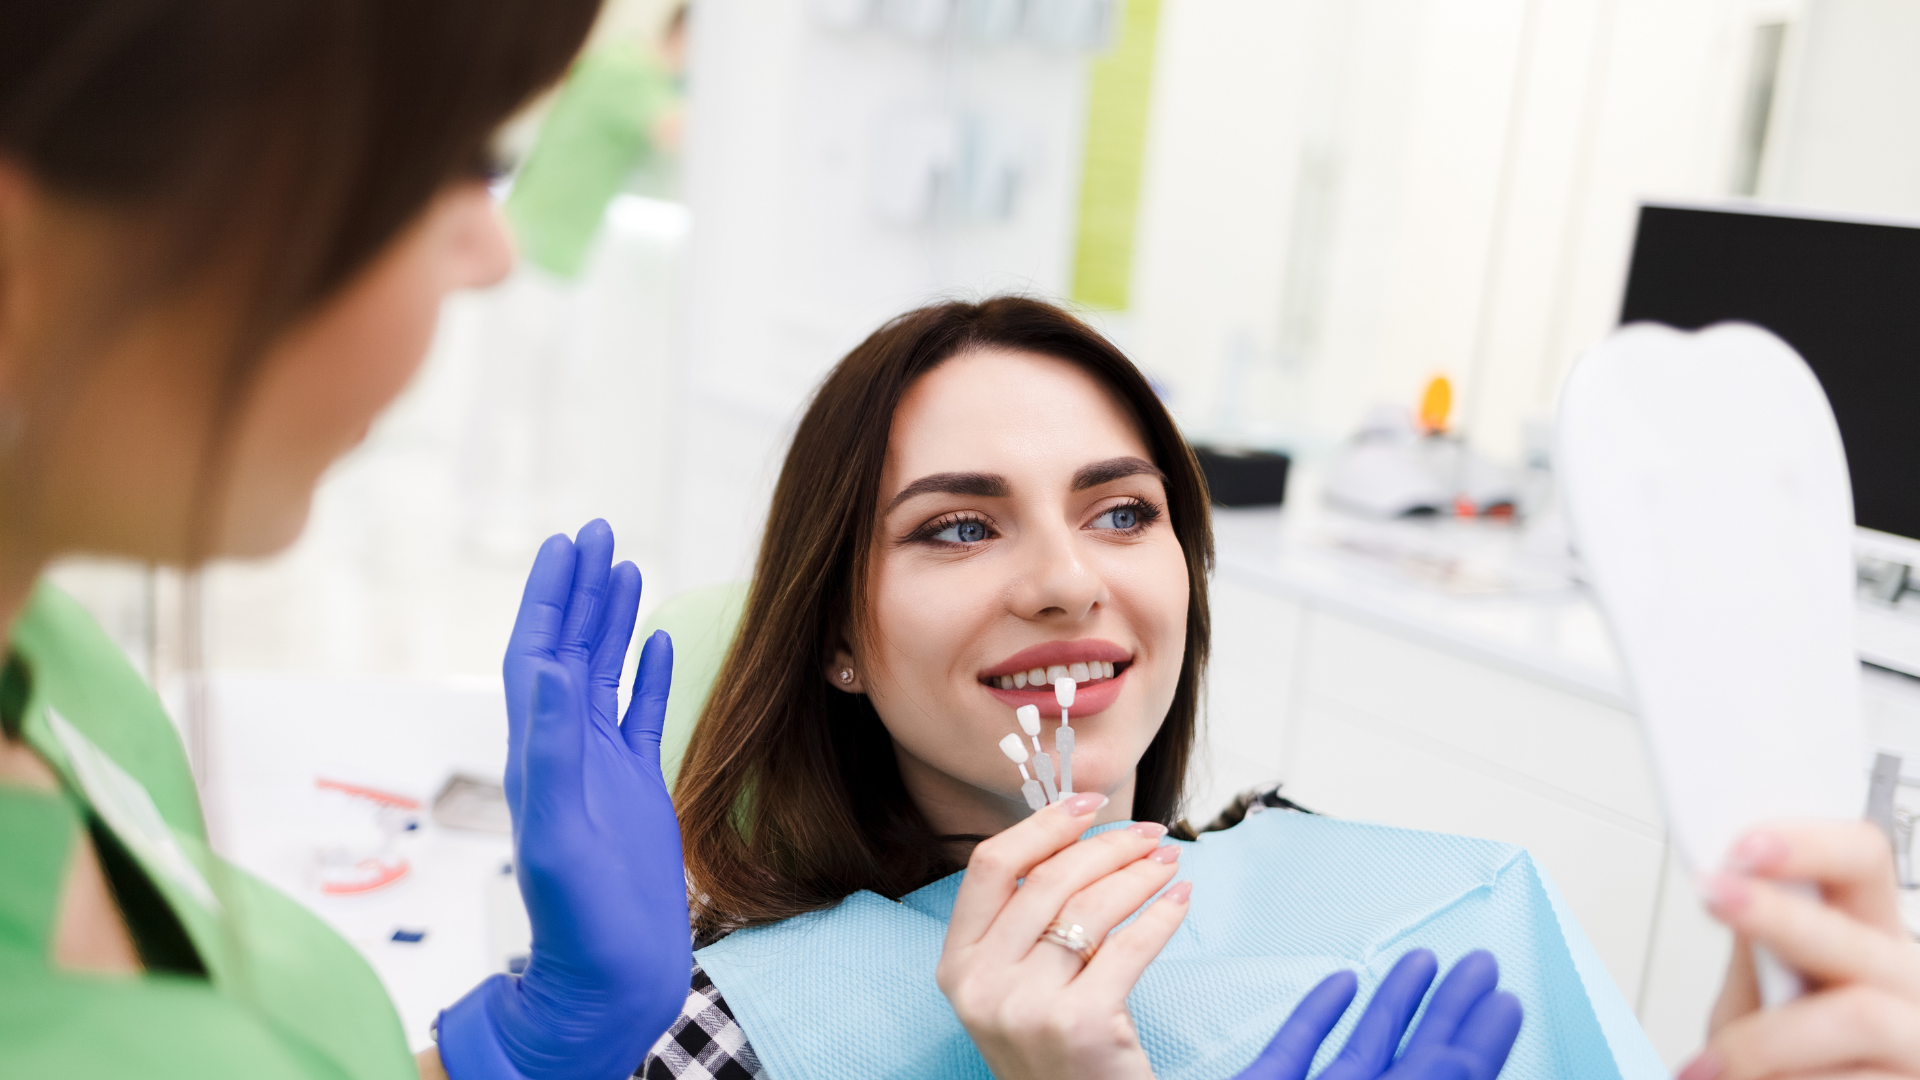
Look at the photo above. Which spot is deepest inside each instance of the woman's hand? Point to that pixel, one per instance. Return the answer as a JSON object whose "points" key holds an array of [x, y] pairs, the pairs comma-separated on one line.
{"points": [[1861, 1017], [1034, 1008], [596, 843]]}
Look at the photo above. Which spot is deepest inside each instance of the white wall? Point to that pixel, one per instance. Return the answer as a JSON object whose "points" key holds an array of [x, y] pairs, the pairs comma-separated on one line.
{"points": [[1341, 198], [1848, 135], [1480, 165], [791, 265]]}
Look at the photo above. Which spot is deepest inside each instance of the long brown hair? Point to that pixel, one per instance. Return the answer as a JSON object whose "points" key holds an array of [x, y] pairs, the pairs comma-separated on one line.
{"points": [[773, 821]]}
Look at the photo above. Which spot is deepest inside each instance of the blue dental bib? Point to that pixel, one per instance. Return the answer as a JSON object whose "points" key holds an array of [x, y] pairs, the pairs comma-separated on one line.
{"points": [[1279, 901]]}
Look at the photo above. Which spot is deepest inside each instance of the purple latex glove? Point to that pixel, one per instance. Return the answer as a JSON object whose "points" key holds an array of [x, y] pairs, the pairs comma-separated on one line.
{"points": [[1466, 1034], [596, 844]]}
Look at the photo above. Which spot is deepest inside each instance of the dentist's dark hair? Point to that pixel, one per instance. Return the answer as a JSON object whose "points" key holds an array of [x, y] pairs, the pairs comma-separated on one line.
{"points": [[271, 149], [307, 131], [789, 796]]}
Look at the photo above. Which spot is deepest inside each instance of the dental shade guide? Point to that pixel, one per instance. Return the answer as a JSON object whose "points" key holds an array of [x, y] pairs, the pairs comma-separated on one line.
{"points": [[1063, 735], [1029, 717], [1706, 486], [1016, 752]]}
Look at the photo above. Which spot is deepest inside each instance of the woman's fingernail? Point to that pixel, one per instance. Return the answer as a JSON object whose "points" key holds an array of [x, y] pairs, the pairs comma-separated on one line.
{"points": [[1084, 803], [1165, 853], [1758, 852], [1180, 892], [1726, 894], [1152, 830], [1705, 1067]]}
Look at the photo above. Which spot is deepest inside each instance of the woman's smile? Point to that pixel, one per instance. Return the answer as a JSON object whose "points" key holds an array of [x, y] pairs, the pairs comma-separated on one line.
{"points": [[1097, 667]]}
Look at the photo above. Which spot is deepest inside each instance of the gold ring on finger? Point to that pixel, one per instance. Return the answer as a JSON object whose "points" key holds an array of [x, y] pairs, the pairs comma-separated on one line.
{"points": [[1071, 937]]}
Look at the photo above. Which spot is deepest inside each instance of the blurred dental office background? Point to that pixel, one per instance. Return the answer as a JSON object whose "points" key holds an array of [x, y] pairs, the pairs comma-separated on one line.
{"points": [[1319, 226]]}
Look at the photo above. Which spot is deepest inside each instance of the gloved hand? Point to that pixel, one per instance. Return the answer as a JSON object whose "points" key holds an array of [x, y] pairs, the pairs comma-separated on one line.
{"points": [[596, 844], [1466, 1035]]}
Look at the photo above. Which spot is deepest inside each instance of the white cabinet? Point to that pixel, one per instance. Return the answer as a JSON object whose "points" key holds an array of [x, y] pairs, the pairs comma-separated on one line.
{"points": [[1243, 738]]}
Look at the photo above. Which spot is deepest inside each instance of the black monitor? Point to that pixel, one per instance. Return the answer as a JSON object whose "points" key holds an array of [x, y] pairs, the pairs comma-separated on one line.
{"points": [[1844, 294]]}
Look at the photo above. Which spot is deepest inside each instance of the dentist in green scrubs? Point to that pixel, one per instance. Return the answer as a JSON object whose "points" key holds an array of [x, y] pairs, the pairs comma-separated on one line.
{"points": [[226, 228]]}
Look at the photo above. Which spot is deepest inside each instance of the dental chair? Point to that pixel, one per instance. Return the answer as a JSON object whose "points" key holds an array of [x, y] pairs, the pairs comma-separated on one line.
{"points": [[701, 622]]}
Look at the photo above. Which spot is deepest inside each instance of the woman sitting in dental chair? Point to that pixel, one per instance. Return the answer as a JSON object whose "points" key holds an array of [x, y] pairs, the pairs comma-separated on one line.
{"points": [[980, 493]]}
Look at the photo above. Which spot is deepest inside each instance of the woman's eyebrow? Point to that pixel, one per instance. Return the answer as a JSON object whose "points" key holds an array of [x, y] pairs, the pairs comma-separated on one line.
{"points": [[984, 485], [1105, 472]]}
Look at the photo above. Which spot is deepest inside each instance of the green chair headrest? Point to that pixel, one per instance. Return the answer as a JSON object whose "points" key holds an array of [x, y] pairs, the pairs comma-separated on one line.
{"points": [[701, 623]]}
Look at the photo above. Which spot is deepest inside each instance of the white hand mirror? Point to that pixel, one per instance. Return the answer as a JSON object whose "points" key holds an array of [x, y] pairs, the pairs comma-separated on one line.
{"points": [[1707, 490]]}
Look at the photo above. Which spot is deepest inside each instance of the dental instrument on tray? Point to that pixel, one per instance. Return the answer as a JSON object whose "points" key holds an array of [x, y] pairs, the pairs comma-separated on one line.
{"points": [[1016, 752], [1063, 736], [1029, 717]]}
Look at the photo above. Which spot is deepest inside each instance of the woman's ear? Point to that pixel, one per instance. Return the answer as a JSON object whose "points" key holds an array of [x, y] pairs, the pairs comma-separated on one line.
{"points": [[844, 674]]}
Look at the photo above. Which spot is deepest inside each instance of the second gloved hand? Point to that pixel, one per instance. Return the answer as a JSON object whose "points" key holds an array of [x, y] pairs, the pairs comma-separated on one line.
{"points": [[596, 843], [1467, 1032]]}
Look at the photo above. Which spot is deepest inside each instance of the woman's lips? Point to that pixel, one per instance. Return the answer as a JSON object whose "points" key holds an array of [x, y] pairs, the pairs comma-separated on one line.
{"points": [[1088, 698], [1051, 653]]}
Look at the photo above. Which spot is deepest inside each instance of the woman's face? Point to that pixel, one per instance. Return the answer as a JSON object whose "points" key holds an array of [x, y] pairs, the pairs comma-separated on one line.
{"points": [[1022, 527], [126, 451]]}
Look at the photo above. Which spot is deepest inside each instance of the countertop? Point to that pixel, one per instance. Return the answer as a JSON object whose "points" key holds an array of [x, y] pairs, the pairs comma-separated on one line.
{"points": [[1493, 591]]}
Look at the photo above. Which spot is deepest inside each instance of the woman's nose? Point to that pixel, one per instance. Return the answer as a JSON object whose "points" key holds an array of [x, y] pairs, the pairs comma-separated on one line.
{"points": [[1057, 582]]}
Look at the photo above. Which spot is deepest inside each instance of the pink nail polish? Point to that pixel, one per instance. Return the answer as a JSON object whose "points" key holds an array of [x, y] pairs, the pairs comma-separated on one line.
{"points": [[1165, 853], [1705, 1067], [1757, 852], [1182, 890], [1726, 894], [1084, 803], [1152, 830]]}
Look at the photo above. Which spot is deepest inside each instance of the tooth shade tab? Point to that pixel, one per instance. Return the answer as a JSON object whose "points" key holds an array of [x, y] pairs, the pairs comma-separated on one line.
{"points": [[1063, 692], [1057, 672], [1029, 717], [1015, 750], [1077, 672], [1019, 680]]}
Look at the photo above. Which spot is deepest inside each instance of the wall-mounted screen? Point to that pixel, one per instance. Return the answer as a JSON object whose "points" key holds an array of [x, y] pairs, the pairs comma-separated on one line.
{"points": [[1844, 293]]}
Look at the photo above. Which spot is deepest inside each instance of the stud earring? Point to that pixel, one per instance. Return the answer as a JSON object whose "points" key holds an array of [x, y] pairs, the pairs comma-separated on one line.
{"points": [[846, 675]]}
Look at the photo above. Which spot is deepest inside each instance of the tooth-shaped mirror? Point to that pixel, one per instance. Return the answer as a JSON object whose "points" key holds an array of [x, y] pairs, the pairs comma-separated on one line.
{"points": [[1707, 490]]}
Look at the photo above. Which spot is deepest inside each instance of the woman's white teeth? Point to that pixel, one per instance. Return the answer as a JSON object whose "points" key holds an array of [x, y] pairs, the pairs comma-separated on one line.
{"points": [[1038, 678]]}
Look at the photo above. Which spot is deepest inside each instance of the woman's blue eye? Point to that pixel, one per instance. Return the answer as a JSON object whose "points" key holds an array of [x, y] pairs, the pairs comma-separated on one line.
{"points": [[1120, 518], [962, 532]]}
